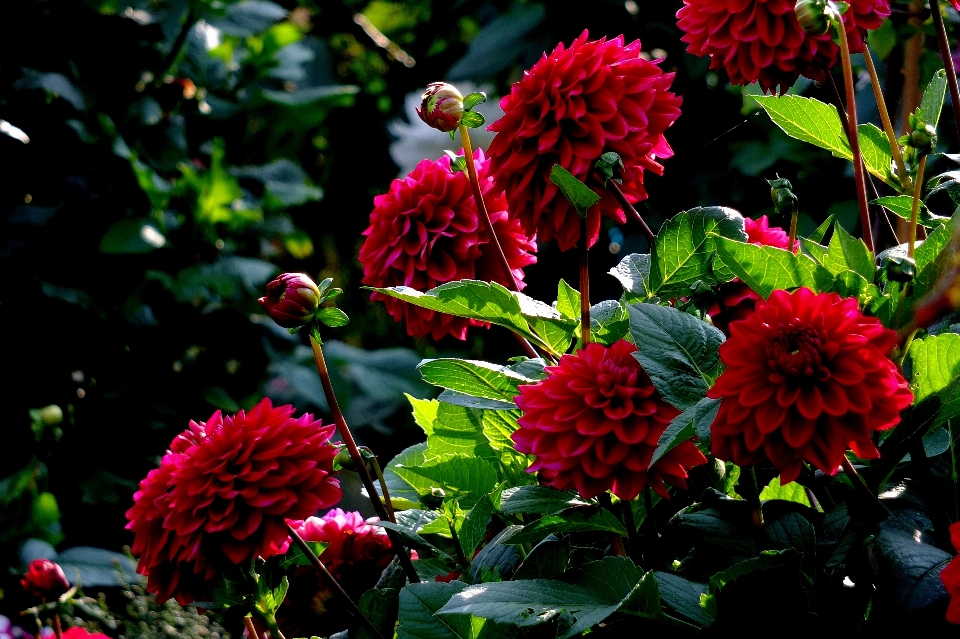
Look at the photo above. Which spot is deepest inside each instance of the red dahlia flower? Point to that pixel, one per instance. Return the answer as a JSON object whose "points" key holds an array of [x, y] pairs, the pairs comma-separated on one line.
{"points": [[574, 105], [78, 632], [594, 423], [737, 300], [761, 40], [950, 576], [807, 377], [222, 494], [45, 579], [425, 231], [352, 542]]}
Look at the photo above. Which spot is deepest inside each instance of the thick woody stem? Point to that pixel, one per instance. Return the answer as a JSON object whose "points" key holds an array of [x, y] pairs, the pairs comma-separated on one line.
{"points": [[332, 581], [358, 461]]}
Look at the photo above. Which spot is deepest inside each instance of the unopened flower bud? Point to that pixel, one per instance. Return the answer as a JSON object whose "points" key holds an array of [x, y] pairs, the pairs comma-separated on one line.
{"points": [[433, 499], [51, 415], [45, 579], [291, 300], [900, 268], [441, 106], [812, 16]]}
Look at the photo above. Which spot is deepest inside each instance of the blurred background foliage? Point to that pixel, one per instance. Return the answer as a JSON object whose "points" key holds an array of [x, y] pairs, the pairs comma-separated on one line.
{"points": [[183, 152]]}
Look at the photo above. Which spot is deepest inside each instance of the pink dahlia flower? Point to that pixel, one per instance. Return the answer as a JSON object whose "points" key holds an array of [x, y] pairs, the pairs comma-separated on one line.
{"points": [[426, 231], [222, 493], [950, 576], [82, 633], [574, 105], [594, 423], [353, 543], [807, 377], [737, 300], [761, 40]]}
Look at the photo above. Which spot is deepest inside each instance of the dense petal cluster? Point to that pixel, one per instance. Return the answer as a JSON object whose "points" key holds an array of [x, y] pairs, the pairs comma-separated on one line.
{"points": [[594, 423], [353, 543], [737, 300], [45, 579], [950, 576], [222, 493], [807, 377], [574, 105], [426, 231], [761, 40], [82, 633]]}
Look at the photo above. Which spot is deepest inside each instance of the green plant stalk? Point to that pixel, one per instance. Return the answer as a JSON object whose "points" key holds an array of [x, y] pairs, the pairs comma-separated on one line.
{"points": [[357, 458], [753, 497], [488, 227], [902, 174], [862, 487], [793, 228], [944, 45], [383, 484], [273, 627], [858, 171], [616, 543], [914, 212], [461, 557], [325, 574], [583, 245], [653, 532]]}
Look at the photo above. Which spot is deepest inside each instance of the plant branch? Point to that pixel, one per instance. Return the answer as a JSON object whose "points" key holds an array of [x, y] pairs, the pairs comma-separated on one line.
{"points": [[168, 60], [357, 458], [383, 484], [914, 212], [57, 628], [251, 629], [902, 174], [630, 209], [862, 487], [325, 574], [858, 171], [584, 249], [947, 60]]}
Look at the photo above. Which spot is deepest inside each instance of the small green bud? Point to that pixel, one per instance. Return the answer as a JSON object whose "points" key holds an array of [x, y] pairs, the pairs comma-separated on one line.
{"points": [[900, 268], [811, 14], [343, 460], [433, 499], [51, 415], [781, 192]]}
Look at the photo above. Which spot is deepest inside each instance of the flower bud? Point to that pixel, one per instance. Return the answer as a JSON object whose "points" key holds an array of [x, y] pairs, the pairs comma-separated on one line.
{"points": [[291, 300], [51, 415], [441, 106], [900, 268], [433, 499], [45, 579], [812, 16]]}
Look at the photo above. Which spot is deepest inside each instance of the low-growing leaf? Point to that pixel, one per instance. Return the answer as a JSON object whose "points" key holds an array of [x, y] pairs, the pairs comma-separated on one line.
{"points": [[462, 477], [935, 370], [914, 569], [498, 559], [682, 596], [902, 206], [418, 608], [547, 560], [633, 272], [692, 422], [609, 322], [766, 268], [474, 527], [846, 253], [788, 492], [581, 196], [472, 377], [577, 519], [538, 499]]}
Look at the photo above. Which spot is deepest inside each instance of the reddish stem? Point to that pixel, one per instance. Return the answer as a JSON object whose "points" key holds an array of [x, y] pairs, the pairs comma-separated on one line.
{"points": [[251, 629], [947, 60], [584, 282], [630, 209], [358, 461], [57, 628]]}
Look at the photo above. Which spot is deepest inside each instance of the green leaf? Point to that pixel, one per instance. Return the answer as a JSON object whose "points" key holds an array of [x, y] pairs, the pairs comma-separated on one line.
{"points": [[902, 206], [683, 250], [547, 560], [914, 569], [474, 527], [683, 597], [609, 322], [790, 492], [767, 559], [456, 398], [473, 99], [766, 268], [424, 412], [846, 253], [498, 559], [381, 607], [935, 367], [554, 330], [418, 608], [131, 236], [692, 422], [931, 255], [404, 493], [633, 272], [581, 196], [462, 477], [480, 379], [498, 425], [538, 499], [818, 235], [484, 301], [576, 519], [568, 301], [810, 120], [459, 430], [472, 119], [332, 317], [678, 351], [932, 101]]}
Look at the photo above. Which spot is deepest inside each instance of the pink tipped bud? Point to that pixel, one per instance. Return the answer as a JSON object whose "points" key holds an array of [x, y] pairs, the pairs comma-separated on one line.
{"points": [[441, 106], [45, 579], [291, 300]]}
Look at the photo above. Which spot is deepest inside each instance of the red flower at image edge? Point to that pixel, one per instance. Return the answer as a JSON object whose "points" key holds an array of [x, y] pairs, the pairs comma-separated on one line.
{"points": [[761, 40], [950, 576], [807, 377], [594, 423], [574, 105], [82, 633], [222, 493], [737, 300], [426, 231], [45, 579]]}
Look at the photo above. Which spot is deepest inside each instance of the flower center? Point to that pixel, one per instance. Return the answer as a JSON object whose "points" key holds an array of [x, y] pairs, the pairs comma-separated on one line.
{"points": [[797, 353]]}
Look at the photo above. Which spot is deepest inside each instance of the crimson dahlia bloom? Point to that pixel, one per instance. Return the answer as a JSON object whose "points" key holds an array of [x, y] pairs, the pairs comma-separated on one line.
{"points": [[45, 579], [761, 40], [222, 493], [807, 377], [594, 423], [950, 576], [426, 231], [737, 300], [574, 105]]}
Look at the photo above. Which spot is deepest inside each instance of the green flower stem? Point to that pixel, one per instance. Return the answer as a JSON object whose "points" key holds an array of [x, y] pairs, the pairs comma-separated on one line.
{"points": [[858, 171], [488, 227], [882, 512], [947, 60], [793, 228], [273, 627], [630, 209], [917, 188], [902, 174], [383, 483], [358, 461], [168, 60], [626, 508], [458, 549], [655, 557], [251, 629], [616, 543], [331, 580], [752, 495], [584, 249]]}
